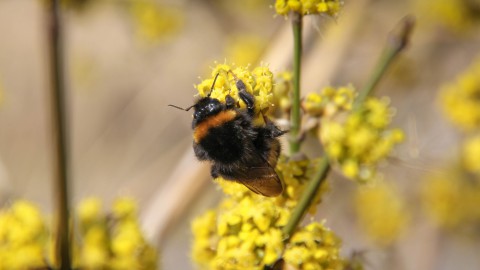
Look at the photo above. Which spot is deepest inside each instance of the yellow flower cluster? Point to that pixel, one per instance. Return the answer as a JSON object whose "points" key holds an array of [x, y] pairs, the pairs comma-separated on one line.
{"points": [[314, 247], [281, 91], [381, 212], [308, 7], [451, 198], [241, 234], [329, 101], [460, 99], [295, 175], [154, 22], [258, 82], [244, 232], [106, 241], [359, 140], [121, 246]]}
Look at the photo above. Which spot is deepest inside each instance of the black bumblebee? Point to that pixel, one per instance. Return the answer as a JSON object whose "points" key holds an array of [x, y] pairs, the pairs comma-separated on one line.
{"points": [[224, 134]]}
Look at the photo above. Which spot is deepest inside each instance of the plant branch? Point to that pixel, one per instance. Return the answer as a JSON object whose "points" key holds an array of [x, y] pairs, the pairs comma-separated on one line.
{"points": [[295, 116], [59, 135], [307, 198], [397, 41]]}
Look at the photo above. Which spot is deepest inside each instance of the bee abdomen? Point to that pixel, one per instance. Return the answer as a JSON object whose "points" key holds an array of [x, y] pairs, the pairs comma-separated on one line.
{"points": [[225, 143]]}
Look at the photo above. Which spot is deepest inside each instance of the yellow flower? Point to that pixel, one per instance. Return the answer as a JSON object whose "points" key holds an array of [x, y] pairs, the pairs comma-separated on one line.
{"points": [[350, 168], [94, 257], [126, 239], [90, 210], [26, 223], [380, 114], [471, 155], [381, 212], [124, 208]]}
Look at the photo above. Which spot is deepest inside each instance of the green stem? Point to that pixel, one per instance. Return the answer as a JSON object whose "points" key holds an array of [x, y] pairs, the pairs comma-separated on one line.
{"points": [[397, 41], [307, 198], [295, 117], [59, 135]]}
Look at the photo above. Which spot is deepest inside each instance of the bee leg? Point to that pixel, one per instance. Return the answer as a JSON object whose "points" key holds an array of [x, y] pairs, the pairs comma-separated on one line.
{"points": [[229, 102], [200, 153], [272, 128], [246, 97], [214, 171]]}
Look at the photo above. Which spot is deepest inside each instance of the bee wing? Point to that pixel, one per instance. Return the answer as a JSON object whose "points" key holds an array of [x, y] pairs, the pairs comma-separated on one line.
{"points": [[267, 186], [261, 179]]}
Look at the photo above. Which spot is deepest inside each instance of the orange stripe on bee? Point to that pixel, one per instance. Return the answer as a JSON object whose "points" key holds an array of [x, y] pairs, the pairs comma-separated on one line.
{"points": [[213, 121]]}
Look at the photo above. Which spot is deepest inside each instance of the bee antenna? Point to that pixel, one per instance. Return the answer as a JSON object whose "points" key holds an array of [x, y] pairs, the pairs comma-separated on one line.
{"points": [[214, 80], [233, 74], [180, 108]]}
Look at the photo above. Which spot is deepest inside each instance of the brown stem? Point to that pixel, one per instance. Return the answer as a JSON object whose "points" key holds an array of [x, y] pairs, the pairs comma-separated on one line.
{"points": [[59, 135]]}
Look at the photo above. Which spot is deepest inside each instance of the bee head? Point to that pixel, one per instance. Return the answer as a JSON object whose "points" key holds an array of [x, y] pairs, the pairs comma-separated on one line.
{"points": [[206, 107]]}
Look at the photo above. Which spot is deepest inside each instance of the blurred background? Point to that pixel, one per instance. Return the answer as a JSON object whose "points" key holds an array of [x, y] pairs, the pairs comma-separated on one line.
{"points": [[126, 60]]}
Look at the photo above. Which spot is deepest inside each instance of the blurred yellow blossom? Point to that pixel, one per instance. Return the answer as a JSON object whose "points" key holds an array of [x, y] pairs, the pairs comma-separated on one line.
{"points": [[471, 155], [89, 210], [124, 208], [23, 236], [308, 7], [244, 50], [381, 212], [356, 141], [154, 22], [95, 253], [451, 198], [460, 99], [458, 15]]}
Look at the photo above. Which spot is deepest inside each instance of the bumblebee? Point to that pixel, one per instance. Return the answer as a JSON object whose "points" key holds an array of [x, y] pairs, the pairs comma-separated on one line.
{"points": [[224, 134]]}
